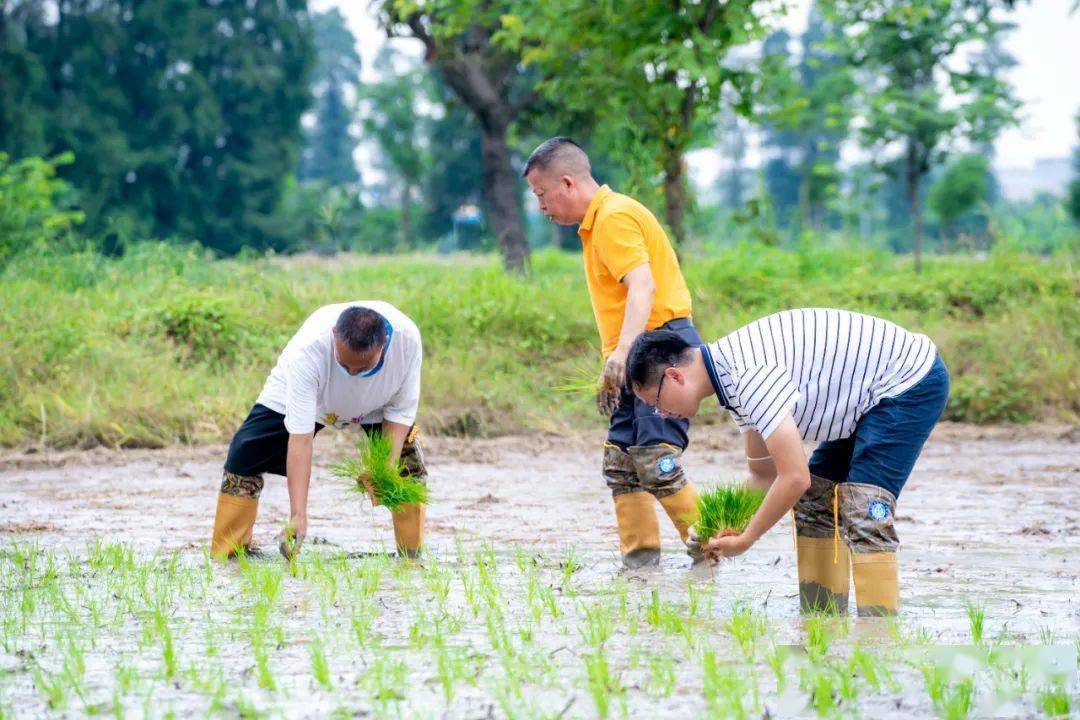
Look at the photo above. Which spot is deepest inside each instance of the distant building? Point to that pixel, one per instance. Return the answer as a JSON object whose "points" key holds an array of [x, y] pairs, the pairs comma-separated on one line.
{"points": [[1047, 175]]}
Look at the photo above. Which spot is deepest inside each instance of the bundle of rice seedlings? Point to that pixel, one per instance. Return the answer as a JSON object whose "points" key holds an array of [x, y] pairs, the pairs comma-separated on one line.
{"points": [[726, 508], [372, 474], [583, 380]]}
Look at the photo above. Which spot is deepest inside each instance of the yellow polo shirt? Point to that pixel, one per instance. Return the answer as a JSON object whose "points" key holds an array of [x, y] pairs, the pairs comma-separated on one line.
{"points": [[618, 234]]}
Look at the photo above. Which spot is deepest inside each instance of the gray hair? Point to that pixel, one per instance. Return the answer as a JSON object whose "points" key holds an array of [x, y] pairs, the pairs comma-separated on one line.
{"points": [[560, 154]]}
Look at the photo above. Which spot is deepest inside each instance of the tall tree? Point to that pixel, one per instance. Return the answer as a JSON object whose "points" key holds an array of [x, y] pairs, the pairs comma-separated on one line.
{"points": [[1074, 186], [656, 74], [329, 143], [183, 117], [458, 39], [393, 117], [960, 189], [921, 92]]}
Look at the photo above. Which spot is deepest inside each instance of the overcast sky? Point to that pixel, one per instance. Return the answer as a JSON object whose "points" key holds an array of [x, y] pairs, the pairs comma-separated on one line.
{"points": [[1046, 45]]}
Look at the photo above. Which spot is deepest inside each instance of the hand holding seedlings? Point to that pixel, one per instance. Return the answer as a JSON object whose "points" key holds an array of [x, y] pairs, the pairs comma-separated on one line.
{"points": [[292, 537], [380, 479], [723, 515], [612, 379]]}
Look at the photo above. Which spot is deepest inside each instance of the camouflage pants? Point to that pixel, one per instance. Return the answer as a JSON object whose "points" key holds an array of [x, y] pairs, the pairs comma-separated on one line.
{"points": [[656, 469], [412, 461], [865, 513]]}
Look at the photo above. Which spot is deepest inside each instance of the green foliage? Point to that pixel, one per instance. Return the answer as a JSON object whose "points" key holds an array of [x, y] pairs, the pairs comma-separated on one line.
{"points": [[205, 326], [960, 189], [87, 359], [916, 56], [328, 146], [653, 80], [726, 507], [183, 117], [1074, 186], [390, 487], [30, 213]]}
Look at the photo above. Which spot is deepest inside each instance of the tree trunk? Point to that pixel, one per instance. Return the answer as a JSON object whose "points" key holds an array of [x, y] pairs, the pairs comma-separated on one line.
{"points": [[406, 201], [912, 176], [675, 195], [501, 199]]}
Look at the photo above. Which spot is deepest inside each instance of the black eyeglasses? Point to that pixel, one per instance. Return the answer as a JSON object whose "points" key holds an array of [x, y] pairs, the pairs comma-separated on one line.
{"points": [[659, 387]]}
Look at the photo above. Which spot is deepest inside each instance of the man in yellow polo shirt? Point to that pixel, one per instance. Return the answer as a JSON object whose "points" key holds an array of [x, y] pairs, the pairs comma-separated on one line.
{"points": [[635, 285]]}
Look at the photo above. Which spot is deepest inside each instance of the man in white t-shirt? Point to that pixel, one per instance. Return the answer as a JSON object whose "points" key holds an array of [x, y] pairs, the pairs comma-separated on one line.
{"points": [[868, 391], [350, 364]]}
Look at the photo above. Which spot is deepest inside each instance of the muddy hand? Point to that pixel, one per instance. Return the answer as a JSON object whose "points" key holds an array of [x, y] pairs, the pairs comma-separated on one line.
{"points": [[611, 384], [291, 538], [728, 544], [693, 546], [365, 480]]}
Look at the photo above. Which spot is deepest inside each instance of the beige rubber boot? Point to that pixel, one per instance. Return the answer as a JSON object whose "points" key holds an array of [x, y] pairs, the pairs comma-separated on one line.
{"points": [[867, 513], [409, 529], [639, 530], [234, 523], [822, 554]]}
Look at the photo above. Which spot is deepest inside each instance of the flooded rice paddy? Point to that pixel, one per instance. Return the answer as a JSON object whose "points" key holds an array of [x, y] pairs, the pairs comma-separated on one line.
{"points": [[109, 605]]}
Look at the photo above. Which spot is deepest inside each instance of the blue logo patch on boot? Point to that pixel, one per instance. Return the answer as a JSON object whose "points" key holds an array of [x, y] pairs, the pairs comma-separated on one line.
{"points": [[878, 510], [666, 465]]}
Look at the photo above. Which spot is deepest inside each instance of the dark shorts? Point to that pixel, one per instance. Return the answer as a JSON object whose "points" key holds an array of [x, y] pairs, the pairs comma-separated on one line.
{"points": [[635, 423], [261, 444], [888, 439]]}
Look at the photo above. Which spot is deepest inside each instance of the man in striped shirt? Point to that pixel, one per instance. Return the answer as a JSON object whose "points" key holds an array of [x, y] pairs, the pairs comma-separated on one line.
{"points": [[867, 390]]}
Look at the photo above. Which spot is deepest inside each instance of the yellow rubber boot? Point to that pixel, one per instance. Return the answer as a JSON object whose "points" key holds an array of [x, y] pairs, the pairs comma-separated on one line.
{"points": [[234, 522], [639, 530], [409, 529], [877, 586], [682, 508], [824, 576]]}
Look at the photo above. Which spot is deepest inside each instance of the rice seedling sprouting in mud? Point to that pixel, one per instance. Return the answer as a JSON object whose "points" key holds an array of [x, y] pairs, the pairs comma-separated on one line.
{"points": [[726, 508], [372, 474]]}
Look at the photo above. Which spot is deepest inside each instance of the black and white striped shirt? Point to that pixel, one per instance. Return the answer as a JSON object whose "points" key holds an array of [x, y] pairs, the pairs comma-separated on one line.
{"points": [[825, 367]]}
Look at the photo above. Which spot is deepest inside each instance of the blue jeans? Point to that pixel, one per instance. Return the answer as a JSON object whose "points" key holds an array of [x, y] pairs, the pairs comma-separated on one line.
{"points": [[888, 439]]}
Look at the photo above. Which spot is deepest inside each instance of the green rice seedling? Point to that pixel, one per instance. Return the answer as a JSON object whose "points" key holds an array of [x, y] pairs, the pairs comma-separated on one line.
{"points": [[54, 687], [603, 683], [976, 617], [726, 508], [661, 675], [777, 657], [872, 669], [320, 669], [819, 636], [725, 689], [746, 627], [373, 473], [582, 381], [819, 683], [1054, 699], [1046, 635], [598, 626], [664, 616], [569, 565], [263, 674]]}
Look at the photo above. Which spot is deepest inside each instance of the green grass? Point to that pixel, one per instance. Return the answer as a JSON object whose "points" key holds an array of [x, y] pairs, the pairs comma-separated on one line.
{"points": [[726, 507], [391, 489], [164, 345]]}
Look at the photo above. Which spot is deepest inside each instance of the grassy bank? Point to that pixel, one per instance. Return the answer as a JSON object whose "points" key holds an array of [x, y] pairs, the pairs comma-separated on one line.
{"points": [[165, 345]]}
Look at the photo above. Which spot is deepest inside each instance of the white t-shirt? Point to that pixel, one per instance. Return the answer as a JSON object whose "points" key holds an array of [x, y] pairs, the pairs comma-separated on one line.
{"points": [[826, 367], [308, 384]]}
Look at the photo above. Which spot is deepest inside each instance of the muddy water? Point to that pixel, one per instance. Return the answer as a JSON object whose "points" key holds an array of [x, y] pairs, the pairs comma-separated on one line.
{"points": [[988, 518]]}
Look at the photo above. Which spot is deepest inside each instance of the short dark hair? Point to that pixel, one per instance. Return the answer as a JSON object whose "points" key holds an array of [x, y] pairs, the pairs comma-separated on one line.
{"points": [[548, 151], [361, 329], [652, 353]]}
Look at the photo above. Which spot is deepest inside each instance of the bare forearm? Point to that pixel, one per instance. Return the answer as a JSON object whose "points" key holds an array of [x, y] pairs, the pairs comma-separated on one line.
{"points": [[781, 497], [298, 473], [396, 432], [638, 308]]}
